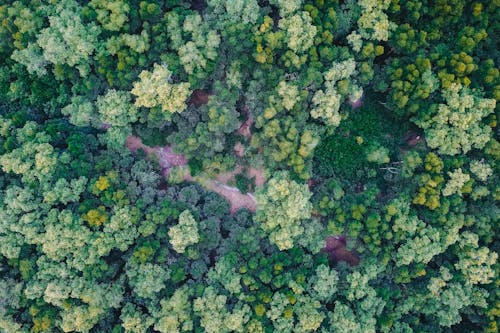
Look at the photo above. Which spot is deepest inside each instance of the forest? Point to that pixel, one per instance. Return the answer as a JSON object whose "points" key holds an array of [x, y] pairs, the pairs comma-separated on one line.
{"points": [[249, 166]]}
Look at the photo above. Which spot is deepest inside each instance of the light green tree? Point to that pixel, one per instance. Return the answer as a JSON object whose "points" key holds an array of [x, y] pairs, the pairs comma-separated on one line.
{"points": [[148, 279], [448, 301], [156, 89], [289, 94], [283, 205], [32, 58], [299, 31], [340, 83], [422, 248], [111, 14], [35, 157], [475, 262], [175, 315], [280, 313], [481, 170], [379, 155], [138, 43], [201, 46], [134, 320], [185, 233], [287, 7], [231, 12], [224, 272], [215, 317], [309, 315], [373, 23], [324, 284], [116, 109], [457, 127], [456, 182], [343, 319], [79, 318], [67, 40], [81, 112]]}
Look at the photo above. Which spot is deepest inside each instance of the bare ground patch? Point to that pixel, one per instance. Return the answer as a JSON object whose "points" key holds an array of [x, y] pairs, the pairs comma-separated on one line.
{"points": [[168, 159]]}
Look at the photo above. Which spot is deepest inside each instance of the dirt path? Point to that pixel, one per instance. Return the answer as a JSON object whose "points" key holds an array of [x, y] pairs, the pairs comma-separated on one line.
{"points": [[168, 159], [237, 199], [251, 172]]}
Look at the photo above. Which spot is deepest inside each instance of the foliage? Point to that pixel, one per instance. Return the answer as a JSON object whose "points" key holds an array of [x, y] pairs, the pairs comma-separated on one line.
{"points": [[457, 126], [155, 89], [249, 166], [185, 233], [283, 205], [67, 40], [368, 132]]}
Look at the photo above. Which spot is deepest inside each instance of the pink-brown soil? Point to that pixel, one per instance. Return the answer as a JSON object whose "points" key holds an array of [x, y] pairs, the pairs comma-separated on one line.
{"points": [[168, 159], [336, 248], [244, 129]]}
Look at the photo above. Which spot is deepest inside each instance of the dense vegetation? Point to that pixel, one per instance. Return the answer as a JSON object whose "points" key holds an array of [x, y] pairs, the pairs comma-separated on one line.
{"points": [[249, 166]]}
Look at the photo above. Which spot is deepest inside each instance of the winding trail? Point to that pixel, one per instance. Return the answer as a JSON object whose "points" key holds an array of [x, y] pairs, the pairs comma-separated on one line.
{"points": [[168, 159]]}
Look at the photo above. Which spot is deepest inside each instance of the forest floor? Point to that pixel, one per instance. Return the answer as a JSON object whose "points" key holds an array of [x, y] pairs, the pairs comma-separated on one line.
{"points": [[168, 159]]}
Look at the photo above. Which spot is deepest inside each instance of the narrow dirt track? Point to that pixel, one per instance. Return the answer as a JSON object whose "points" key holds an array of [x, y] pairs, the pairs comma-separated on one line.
{"points": [[168, 159]]}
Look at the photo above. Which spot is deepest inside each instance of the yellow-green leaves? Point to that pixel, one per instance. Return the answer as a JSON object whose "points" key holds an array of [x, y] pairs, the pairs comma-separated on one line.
{"points": [[456, 182], [373, 24], [282, 207], [185, 233], [156, 89], [339, 84], [475, 262], [299, 31], [111, 14], [116, 109], [68, 40], [289, 94], [456, 127]]}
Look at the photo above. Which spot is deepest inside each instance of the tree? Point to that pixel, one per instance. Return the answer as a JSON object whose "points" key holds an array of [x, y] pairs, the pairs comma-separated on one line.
{"points": [[155, 89], [32, 58], [115, 108], [282, 206], [134, 320], [481, 170], [475, 262], [215, 317], [224, 272], [176, 312], [323, 285], [229, 13], [111, 14], [457, 126], [289, 94], [309, 318], [379, 155], [147, 280], [287, 8], [373, 23], [195, 44], [67, 40], [339, 84], [299, 31], [456, 182], [81, 112], [185, 233]]}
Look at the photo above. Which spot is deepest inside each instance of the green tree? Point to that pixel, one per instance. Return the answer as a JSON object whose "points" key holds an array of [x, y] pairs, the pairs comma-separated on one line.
{"points": [[67, 40], [155, 89], [457, 126], [185, 233], [283, 205]]}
